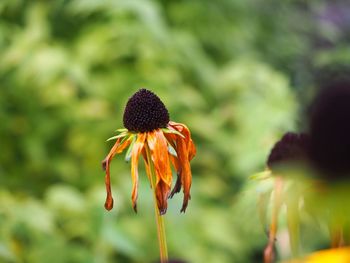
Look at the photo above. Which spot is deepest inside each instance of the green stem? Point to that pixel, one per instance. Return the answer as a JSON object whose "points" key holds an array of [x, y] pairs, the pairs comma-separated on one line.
{"points": [[269, 253], [159, 218]]}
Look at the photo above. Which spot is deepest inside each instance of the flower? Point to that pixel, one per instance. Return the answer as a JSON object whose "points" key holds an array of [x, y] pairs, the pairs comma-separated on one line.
{"points": [[290, 150], [149, 132]]}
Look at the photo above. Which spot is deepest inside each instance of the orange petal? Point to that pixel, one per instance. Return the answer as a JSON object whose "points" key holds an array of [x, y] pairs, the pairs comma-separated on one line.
{"points": [[159, 152], [192, 150], [162, 193], [185, 171], [182, 128], [171, 137], [177, 187], [109, 197], [136, 151], [118, 147], [185, 150]]}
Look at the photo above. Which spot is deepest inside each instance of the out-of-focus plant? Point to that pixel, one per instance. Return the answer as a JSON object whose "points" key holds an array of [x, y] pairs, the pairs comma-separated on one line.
{"points": [[321, 187], [285, 163], [329, 151]]}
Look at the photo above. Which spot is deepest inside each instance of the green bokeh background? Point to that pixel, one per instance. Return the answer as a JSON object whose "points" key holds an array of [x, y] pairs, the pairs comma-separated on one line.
{"points": [[237, 72]]}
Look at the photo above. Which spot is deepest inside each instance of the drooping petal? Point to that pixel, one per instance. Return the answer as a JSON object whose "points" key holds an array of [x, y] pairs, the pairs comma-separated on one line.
{"points": [[118, 147], [171, 138], [135, 153], [159, 152], [162, 193], [185, 171], [192, 150], [185, 150], [182, 128]]}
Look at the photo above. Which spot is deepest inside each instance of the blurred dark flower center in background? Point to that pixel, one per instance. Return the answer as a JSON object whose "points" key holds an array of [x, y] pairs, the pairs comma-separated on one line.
{"points": [[145, 112], [330, 129], [291, 149], [331, 74]]}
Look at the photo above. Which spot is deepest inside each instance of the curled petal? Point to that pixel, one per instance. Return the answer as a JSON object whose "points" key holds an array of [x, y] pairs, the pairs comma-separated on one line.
{"points": [[159, 152], [135, 153], [177, 187], [182, 128], [192, 150], [118, 147], [185, 150], [185, 171], [162, 193], [171, 138]]}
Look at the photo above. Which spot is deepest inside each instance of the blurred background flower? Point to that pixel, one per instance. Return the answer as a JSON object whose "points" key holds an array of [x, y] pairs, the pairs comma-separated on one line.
{"points": [[232, 70]]}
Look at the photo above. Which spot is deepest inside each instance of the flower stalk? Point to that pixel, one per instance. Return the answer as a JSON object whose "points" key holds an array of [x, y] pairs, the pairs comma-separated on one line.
{"points": [[163, 250], [269, 253]]}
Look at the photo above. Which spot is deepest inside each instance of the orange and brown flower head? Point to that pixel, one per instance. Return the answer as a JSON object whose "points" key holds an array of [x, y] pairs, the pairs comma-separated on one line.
{"points": [[161, 143], [145, 112]]}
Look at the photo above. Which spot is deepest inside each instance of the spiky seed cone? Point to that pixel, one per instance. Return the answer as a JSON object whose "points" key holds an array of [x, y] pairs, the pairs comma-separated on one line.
{"points": [[145, 112]]}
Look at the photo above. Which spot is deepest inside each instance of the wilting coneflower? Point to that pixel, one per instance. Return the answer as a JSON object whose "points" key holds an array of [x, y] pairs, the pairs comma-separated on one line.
{"points": [[291, 150], [150, 133], [330, 152]]}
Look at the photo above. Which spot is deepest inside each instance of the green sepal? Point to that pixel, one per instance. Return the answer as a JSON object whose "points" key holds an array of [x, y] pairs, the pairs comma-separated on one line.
{"points": [[126, 138], [261, 176], [122, 130], [123, 134]]}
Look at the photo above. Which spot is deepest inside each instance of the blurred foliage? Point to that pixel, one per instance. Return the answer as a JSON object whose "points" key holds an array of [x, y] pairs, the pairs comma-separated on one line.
{"points": [[231, 70]]}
